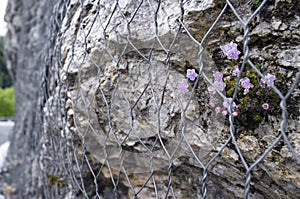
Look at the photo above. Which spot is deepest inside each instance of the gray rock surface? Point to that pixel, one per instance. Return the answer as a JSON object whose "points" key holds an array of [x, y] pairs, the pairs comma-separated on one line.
{"points": [[89, 84]]}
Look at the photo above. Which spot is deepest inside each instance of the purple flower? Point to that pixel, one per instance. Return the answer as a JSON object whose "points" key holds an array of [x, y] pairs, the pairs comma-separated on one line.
{"points": [[219, 85], [228, 78], [235, 113], [246, 84], [217, 109], [191, 74], [265, 106], [227, 102], [231, 51], [246, 91], [236, 71], [211, 102], [211, 90], [269, 79], [183, 86], [218, 76], [224, 112]]}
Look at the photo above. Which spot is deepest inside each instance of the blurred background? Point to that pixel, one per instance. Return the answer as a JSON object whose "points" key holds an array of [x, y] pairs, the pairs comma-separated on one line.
{"points": [[6, 93]]}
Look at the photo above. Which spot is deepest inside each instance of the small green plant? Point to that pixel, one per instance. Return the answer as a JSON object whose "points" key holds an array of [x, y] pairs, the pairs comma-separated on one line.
{"points": [[56, 180], [256, 3], [255, 97]]}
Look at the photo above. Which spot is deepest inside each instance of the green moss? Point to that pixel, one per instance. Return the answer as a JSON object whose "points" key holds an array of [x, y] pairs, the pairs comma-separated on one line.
{"points": [[250, 111], [256, 117], [256, 3]]}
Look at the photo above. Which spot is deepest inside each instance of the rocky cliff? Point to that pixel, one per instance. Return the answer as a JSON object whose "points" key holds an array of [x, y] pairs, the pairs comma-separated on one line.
{"points": [[99, 112]]}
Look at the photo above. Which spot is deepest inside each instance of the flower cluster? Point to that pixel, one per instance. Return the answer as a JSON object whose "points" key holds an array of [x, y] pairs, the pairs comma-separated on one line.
{"points": [[236, 71], [227, 103], [253, 95], [254, 98], [246, 84], [183, 85], [220, 85]]}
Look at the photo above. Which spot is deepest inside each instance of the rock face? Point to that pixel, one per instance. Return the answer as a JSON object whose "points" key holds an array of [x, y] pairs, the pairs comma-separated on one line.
{"points": [[99, 114], [28, 49]]}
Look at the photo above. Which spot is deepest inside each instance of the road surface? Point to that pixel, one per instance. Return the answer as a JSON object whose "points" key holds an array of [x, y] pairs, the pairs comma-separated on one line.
{"points": [[5, 130]]}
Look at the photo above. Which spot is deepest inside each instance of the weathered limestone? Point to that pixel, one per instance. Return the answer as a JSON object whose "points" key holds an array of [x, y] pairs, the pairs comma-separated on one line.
{"points": [[102, 97]]}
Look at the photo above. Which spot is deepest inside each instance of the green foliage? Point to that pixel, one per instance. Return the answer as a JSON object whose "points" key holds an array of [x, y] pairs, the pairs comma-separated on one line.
{"points": [[5, 80], [7, 102], [250, 105], [256, 3], [254, 97]]}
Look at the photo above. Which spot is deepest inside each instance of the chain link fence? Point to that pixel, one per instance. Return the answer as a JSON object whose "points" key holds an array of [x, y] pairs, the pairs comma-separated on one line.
{"points": [[121, 119]]}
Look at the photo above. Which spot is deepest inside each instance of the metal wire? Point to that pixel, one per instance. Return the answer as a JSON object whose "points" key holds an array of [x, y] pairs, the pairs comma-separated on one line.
{"points": [[81, 158]]}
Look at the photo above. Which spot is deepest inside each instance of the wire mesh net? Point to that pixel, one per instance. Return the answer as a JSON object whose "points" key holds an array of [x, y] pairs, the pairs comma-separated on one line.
{"points": [[122, 120]]}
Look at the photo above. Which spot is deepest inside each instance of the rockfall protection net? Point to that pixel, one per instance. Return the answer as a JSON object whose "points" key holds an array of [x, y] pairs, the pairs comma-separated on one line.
{"points": [[120, 112]]}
